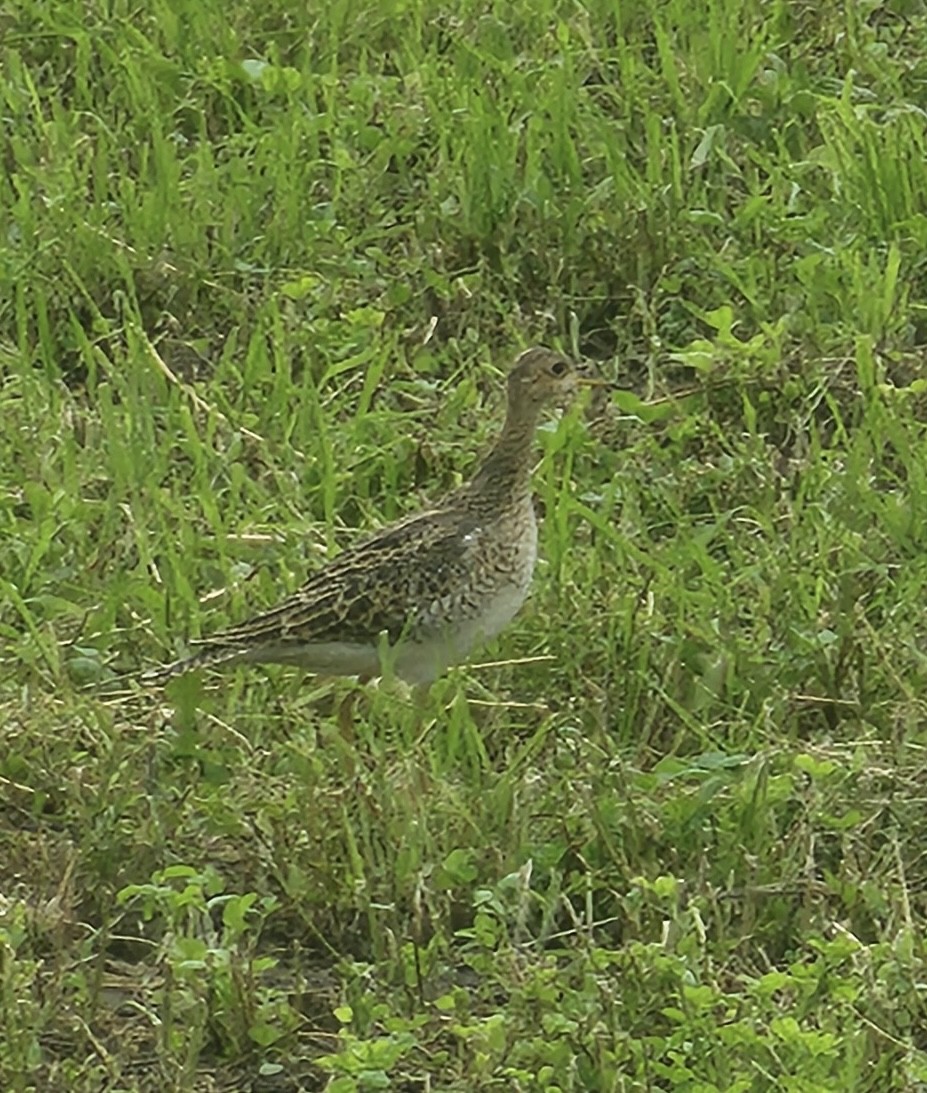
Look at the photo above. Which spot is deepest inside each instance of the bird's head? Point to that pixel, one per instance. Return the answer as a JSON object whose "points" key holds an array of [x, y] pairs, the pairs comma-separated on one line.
{"points": [[542, 377]]}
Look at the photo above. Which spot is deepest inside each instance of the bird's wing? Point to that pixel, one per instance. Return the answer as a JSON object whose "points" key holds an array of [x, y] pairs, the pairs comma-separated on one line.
{"points": [[382, 584]]}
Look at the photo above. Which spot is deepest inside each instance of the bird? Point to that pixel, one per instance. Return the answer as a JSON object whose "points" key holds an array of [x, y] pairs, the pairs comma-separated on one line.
{"points": [[418, 596]]}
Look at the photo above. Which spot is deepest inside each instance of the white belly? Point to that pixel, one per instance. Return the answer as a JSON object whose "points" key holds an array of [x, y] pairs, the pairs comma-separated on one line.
{"points": [[497, 613], [423, 661]]}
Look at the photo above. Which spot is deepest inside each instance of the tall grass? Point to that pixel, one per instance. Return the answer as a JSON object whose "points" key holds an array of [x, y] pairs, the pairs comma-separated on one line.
{"points": [[262, 270]]}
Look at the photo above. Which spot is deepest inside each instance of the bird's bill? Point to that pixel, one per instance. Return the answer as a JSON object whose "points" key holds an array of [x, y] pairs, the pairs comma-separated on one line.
{"points": [[586, 378]]}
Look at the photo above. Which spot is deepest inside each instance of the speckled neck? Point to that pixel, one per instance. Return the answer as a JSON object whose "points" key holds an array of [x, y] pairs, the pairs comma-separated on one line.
{"points": [[504, 479]]}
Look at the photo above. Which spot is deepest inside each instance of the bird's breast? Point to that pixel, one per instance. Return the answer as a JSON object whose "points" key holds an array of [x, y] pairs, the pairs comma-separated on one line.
{"points": [[493, 581], [481, 594]]}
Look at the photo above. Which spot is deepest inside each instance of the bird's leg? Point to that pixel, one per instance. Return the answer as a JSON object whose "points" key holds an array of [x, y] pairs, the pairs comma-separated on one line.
{"points": [[345, 713]]}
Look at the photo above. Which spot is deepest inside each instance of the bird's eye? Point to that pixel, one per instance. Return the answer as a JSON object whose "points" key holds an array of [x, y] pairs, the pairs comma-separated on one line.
{"points": [[558, 368]]}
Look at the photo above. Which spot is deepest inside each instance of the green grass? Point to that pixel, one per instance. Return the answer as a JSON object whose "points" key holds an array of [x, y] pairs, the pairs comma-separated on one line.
{"points": [[261, 271]]}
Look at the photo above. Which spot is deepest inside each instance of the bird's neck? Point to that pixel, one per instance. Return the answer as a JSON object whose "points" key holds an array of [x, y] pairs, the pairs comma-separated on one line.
{"points": [[504, 479]]}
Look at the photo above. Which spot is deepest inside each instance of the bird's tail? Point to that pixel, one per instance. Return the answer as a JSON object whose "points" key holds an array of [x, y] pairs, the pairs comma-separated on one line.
{"points": [[203, 658]]}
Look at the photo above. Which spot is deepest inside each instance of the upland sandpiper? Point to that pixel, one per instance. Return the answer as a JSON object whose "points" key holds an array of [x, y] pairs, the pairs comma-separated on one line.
{"points": [[419, 595]]}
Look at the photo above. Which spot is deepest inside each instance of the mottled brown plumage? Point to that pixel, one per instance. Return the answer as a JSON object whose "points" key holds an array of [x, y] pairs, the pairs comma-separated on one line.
{"points": [[419, 595]]}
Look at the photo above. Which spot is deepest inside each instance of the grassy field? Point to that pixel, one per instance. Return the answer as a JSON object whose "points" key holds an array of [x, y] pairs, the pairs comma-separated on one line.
{"points": [[262, 267]]}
